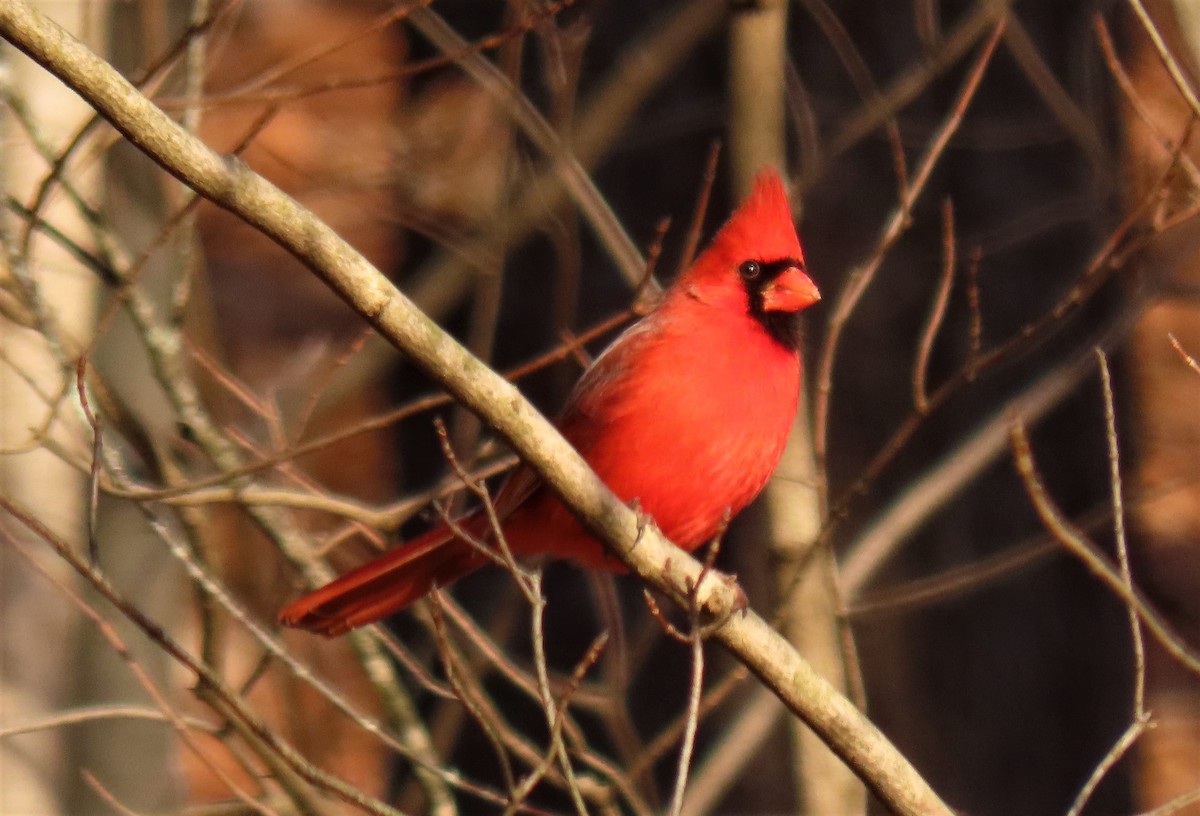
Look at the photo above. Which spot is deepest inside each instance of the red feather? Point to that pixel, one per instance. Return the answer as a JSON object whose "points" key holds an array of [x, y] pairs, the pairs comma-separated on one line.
{"points": [[688, 412]]}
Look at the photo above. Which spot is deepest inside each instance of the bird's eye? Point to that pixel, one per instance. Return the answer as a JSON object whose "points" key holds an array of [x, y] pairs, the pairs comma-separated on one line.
{"points": [[750, 270]]}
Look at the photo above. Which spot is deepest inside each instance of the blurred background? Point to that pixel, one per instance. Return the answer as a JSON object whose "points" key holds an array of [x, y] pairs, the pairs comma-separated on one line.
{"points": [[996, 199]]}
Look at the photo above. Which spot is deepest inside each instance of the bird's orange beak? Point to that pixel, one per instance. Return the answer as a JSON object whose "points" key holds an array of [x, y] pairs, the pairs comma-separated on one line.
{"points": [[791, 291]]}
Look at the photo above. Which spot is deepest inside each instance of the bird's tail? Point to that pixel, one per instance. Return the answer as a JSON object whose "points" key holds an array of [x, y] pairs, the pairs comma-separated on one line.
{"points": [[387, 584]]}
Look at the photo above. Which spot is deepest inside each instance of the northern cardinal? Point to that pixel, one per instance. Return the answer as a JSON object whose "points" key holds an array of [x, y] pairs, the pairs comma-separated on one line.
{"points": [[687, 412]]}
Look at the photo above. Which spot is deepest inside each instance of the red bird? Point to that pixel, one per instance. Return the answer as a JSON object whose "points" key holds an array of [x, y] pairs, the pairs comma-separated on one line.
{"points": [[687, 412]]}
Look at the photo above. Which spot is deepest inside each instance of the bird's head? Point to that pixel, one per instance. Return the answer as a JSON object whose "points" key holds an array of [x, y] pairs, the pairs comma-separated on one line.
{"points": [[755, 265]]}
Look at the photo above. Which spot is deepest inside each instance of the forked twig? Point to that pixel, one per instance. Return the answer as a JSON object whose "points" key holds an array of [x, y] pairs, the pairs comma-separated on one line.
{"points": [[897, 223], [1076, 543], [1141, 717]]}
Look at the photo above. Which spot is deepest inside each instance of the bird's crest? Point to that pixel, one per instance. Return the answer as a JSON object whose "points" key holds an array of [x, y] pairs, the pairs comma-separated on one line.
{"points": [[760, 229]]}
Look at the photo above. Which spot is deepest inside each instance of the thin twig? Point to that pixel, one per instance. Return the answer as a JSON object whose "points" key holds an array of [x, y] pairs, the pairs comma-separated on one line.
{"points": [[558, 748], [691, 714], [929, 24], [667, 737], [1114, 755], [1175, 805], [97, 458], [87, 714], [108, 796], [937, 310], [974, 310], [701, 209], [1187, 358], [1118, 514], [1168, 59], [749, 727]]}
